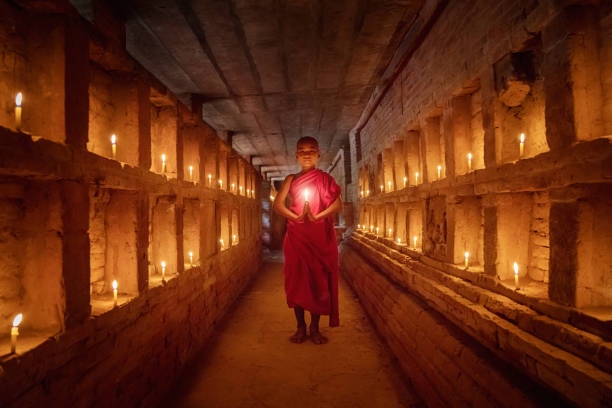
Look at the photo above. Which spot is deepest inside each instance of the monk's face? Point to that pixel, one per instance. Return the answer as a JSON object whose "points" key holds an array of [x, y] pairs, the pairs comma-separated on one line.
{"points": [[307, 155]]}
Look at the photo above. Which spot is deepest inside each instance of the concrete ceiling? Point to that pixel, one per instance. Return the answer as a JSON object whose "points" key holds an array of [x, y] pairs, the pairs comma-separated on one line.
{"points": [[271, 71]]}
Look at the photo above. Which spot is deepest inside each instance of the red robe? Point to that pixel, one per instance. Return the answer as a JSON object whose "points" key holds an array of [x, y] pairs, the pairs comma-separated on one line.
{"points": [[311, 250]]}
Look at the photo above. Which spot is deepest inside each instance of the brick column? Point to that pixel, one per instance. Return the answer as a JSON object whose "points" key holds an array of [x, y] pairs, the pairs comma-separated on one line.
{"points": [[179, 211], [489, 106], [75, 251], [490, 239], [572, 78], [144, 125], [142, 243], [563, 252], [180, 171], [77, 84]]}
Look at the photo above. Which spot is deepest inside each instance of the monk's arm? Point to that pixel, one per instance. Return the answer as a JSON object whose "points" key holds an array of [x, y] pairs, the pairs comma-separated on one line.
{"points": [[335, 207], [279, 201]]}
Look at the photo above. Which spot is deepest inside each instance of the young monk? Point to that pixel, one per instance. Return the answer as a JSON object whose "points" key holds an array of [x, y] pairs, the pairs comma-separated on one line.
{"points": [[310, 247]]}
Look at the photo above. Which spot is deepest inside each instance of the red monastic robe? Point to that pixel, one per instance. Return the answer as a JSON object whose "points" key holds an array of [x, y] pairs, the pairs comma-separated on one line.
{"points": [[311, 250]]}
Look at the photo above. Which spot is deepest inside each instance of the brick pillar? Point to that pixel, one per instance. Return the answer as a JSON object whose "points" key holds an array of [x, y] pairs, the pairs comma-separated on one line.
{"points": [[144, 125], [447, 137], [489, 105], [180, 171], [77, 84], [563, 252], [490, 239], [179, 211], [458, 137], [572, 78], [142, 243], [75, 251]]}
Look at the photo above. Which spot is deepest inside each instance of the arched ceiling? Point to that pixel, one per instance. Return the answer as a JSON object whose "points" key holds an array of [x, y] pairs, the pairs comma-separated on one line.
{"points": [[271, 71]]}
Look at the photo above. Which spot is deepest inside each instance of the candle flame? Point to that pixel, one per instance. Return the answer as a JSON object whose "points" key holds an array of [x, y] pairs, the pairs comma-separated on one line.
{"points": [[190, 168], [114, 285], [163, 264], [467, 255], [399, 240], [271, 197], [113, 139], [469, 156], [415, 240], [163, 156], [17, 320], [306, 195], [18, 100], [522, 138], [516, 269]]}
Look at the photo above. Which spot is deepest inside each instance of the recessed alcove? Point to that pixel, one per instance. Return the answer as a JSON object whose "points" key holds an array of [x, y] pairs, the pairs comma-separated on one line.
{"points": [[413, 158], [31, 262], [235, 227], [162, 240], [191, 232], [388, 176], [241, 178], [399, 164], [468, 130], [389, 227], [401, 223], [112, 246], [434, 149], [415, 228], [210, 163], [33, 63], [113, 110], [191, 157], [222, 180], [224, 241], [468, 234], [208, 226], [163, 140], [232, 184], [379, 226]]}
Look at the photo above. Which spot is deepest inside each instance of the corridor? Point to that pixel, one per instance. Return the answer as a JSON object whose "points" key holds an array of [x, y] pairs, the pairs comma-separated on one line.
{"points": [[250, 362]]}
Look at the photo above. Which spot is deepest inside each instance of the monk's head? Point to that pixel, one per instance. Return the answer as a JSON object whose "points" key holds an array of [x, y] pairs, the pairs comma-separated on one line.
{"points": [[307, 153]]}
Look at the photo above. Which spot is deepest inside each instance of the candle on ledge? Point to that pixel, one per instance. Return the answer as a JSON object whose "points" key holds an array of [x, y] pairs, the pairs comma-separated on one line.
{"points": [[190, 258], [382, 188], [415, 241], [439, 171], [190, 173], [399, 240], [271, 197], [233, 189], [405, 181], [371, 228], [163, 157], [358, 226], [516, 276], [522, 145], [114, 293], [163, 265], [222, 244], [467, 259], [389, 185], [209, 180], [416, 177], [18, 100], [469, 157], [240, 188], [248, 192], [367, 193], [361, 193], [234, 239], [15, 332], [220, 184], [390, 232], [377, 229], [114, 146]]}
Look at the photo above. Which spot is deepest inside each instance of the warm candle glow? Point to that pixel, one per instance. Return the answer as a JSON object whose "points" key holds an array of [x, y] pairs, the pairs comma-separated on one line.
{"points": [[467, 259], [306, 195], [190, 173], [271, 197], [367, 193], [220, 184], [163, 265], [234, 238], [163, 157], [469, 157], [439, 171], [377, 229], [522, 145], [516, 276], [190, 258], [371, 228], [113, 139], [415, 241], [18, 100], [390, 231], [405, 180], [382, 188], [209, 179], [15, 331], [389, 184], [233, 187], [399, 240], [114, 146], [240, 188], [222, 243], [114, 293], [361, 193], [416, 177], [248, 192]]}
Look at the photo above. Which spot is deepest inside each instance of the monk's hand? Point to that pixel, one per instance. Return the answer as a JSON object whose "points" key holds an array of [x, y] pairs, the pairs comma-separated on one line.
{"points": [[304, 213], [311, 216]]}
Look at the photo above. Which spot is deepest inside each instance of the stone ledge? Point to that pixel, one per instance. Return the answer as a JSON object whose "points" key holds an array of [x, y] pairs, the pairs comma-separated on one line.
{"points": [[581, 381]]}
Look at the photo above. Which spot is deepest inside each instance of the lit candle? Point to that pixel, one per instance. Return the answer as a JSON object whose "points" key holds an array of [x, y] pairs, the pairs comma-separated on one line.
{"points": [[469, 157], [305, 196], [415, 241], [405, 180], [190, 258], [382, 188], [233, 189], [114, 293], [18, 100], [522, 145], [371, 228], [114, 145], [516, 276], [377, 229], [361, 193], [399, 240], [210, 180], [271, 197], [467, 259], [416, 177], [234, 238], [163, 157], [358, 226], [439, 171], [367, 193], [222, 244], [220, 184], [190, 173], [163, 265], [248, 192], [15, 332], [240, 188], [390, 231], [389, 185]]}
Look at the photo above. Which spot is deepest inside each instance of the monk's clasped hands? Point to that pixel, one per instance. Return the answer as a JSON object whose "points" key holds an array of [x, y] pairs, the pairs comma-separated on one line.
{"points": [[306, 214]]}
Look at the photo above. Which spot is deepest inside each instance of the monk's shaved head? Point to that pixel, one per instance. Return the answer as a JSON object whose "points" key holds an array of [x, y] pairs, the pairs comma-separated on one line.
{"points": [[308, 140]]}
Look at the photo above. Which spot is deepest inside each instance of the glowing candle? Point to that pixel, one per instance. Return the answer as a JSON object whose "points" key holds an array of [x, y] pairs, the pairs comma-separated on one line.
{"points": [[114, 145], [390, 231], [467, 259], [190, 258], [415, 241], [361, 193], [382, 188], [15, 331], [222, 244], [367, 193], [114, 293], [190, 173], [163, 265], [399, 240], [416, 177], [220, 184], [210, 179], [233, 189], [439, 171], [18, 100], [248, 192], [516, 276], [405, 180], [234, 238], [522, 145], [240, 188], [469, 157], [371, 228], [305, 196], [163, 157], [358, 226], [389, 185], [377, 230], [271, 197]]}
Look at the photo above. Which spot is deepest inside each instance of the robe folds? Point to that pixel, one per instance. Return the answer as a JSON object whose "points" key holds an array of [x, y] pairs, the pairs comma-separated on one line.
{"points": [[310, 248]]}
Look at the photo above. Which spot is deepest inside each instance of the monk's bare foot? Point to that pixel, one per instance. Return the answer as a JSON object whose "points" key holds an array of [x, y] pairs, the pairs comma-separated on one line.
{"points": [[317, 337], [299, 336]]}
